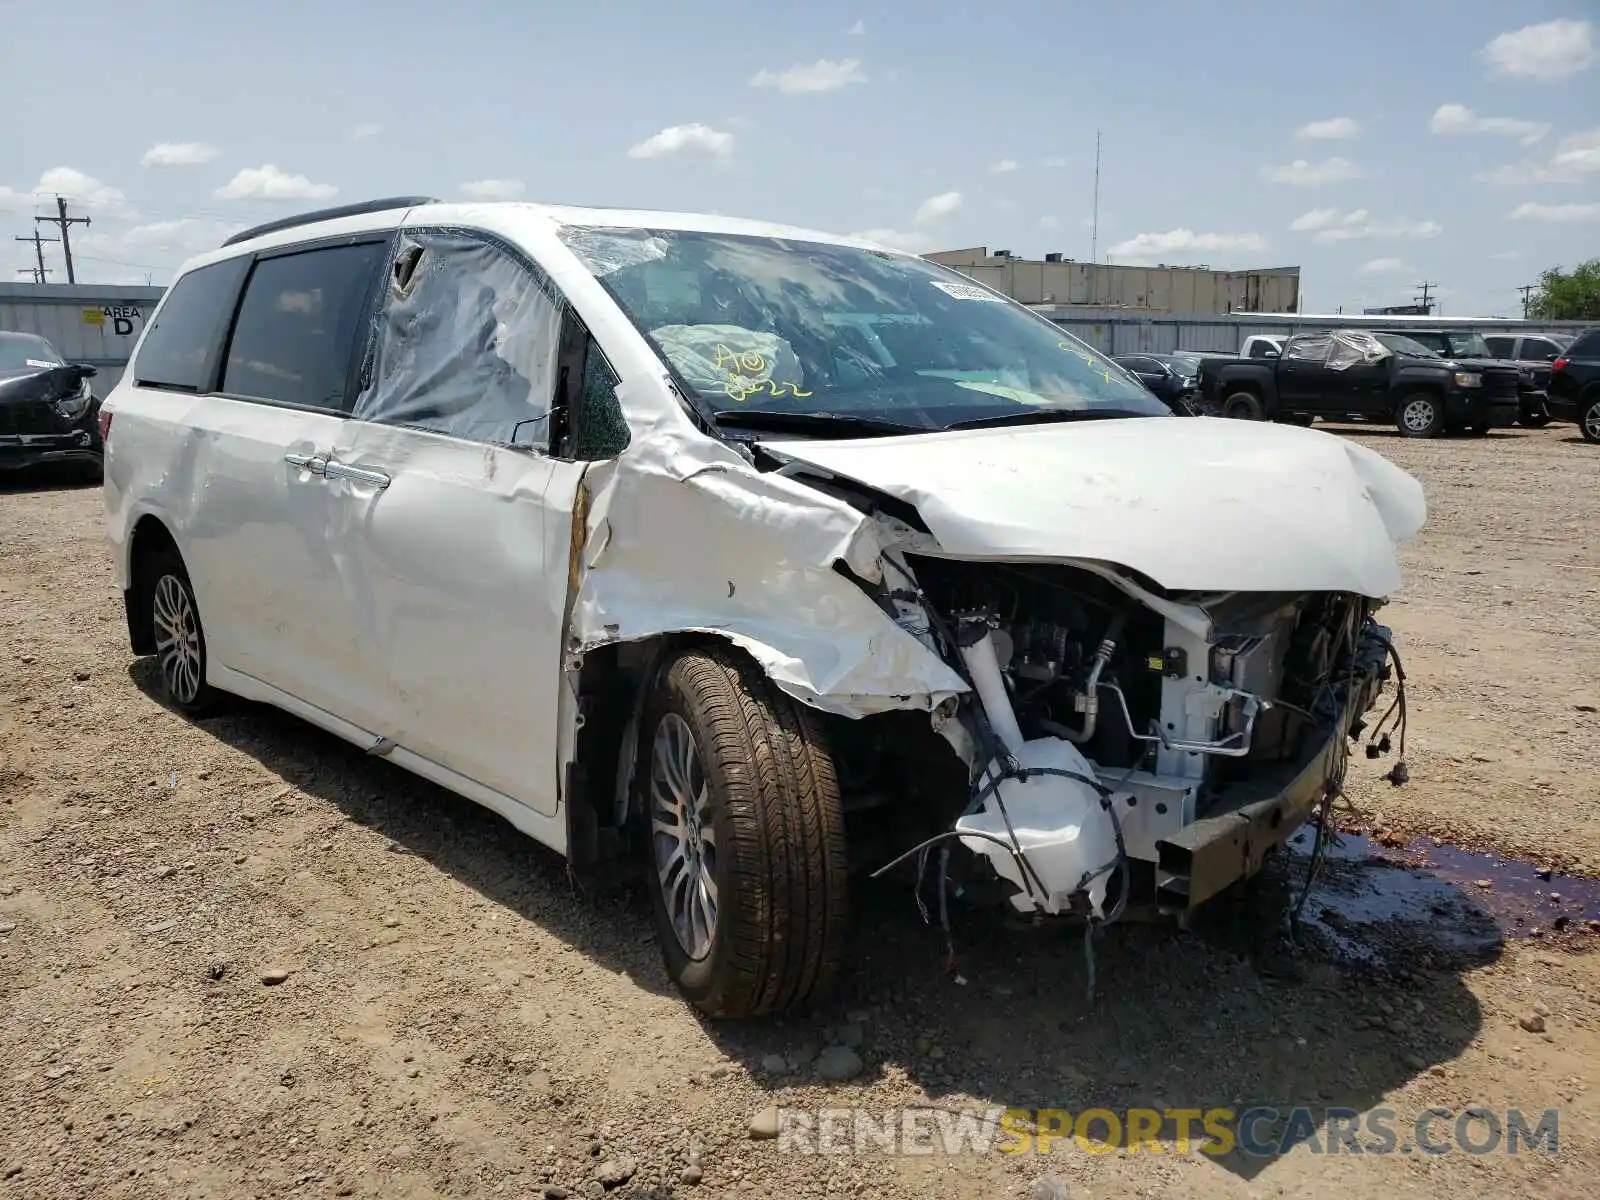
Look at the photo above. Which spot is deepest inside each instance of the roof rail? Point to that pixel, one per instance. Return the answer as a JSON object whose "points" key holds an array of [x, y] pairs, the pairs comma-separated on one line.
{"points": [[329, 214]]}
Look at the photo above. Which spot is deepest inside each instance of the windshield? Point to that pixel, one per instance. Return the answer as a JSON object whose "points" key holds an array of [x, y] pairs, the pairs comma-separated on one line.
{"points": [[23, 352], [763, 325], [1187, 364], [1467, 345], [1404, 345]]}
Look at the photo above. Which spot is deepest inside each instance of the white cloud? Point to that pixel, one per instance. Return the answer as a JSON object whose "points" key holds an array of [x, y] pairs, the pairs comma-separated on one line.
{"points": [[694, 140], [178, 154], [1459, 119], [1383, 266], [823, 75], [914, 242], [1317, 218], [269, 183], [493, 189], [1004, 167], [86, 194], [1331, 225], [1548, 51], [1301, 173], [1052, 162], [938, 208], [1575, 160], [1333, 129], [1185, 243], [859, 29], [1556, 212], [362, 132]]}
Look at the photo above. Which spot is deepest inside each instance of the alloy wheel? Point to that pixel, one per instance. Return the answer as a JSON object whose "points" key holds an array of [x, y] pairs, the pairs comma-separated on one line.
{"points": [[1418, 415], [683, 838], [1591, 422], [178, 640]]}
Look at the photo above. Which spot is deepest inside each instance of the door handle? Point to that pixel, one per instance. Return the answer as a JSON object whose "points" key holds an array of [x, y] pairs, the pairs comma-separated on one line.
{"points": [[338, 470], [314, 463]]}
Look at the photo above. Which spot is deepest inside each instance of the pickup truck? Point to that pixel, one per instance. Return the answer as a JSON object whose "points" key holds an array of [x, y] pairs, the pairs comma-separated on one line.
{"points": [[1345, 373], [1470, 349]]}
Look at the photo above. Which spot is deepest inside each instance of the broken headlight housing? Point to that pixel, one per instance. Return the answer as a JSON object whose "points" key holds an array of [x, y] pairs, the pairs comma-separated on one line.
{"points": [[74, 405]]}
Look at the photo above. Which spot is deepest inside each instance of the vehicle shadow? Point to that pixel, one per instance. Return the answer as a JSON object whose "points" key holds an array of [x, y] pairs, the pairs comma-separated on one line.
{"points": [[55, 477], [1180, 1020]]}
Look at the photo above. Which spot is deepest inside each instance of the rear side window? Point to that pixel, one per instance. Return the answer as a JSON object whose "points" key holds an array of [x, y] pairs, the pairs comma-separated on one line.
{"points": [[179, 350], [1500, 347], [1536, 349], [1308, 347], [1587, 345], [299, 324]]}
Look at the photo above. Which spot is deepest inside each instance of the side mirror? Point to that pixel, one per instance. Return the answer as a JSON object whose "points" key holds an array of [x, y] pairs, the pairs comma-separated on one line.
{"points": [[1271, 354], [85, 370]]}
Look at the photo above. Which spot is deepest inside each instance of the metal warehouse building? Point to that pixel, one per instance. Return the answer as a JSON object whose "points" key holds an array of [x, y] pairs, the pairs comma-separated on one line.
{"points": [[1059, 281], [85, 322]]}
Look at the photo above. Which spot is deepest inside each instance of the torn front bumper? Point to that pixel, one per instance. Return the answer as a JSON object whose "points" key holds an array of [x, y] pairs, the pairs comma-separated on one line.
{"points": [[1222, 847]]}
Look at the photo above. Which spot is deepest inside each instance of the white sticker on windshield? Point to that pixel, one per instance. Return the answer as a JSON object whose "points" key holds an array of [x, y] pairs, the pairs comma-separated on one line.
{"points": [[967, 291], [38, 362]]}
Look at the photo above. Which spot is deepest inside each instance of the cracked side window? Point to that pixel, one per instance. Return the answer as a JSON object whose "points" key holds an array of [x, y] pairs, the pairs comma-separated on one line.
{"points": [[467, 342]]}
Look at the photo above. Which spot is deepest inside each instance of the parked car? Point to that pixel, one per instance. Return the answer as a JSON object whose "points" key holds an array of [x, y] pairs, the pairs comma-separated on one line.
{"points": [[1262, 345], [1369, 376], [1174, 377], [1472, 349], [1575, 384], [1532, 354], [48, 409], [746, 552]]}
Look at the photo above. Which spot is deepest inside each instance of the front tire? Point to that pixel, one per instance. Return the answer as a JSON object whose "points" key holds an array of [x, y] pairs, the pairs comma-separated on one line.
{"points": [[1589, 419], [178, 635], [1419, 415], [745, 838]]}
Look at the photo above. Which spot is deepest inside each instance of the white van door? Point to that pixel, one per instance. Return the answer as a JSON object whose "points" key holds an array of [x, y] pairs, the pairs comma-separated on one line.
{"points": [[454, 524]]}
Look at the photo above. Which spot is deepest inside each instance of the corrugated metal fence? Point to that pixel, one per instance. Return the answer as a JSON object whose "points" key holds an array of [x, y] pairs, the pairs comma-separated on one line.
{"points": [[92, 323]]}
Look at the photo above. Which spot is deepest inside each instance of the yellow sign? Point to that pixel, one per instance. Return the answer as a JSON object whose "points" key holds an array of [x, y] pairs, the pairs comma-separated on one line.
{"points": [[93, 316]]}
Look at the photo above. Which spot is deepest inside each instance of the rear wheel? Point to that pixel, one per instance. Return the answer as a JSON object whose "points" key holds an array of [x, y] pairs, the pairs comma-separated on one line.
{"points": [[1420, 415], [1243, 406], [177, 634], [747, 871], [1589, 419]]}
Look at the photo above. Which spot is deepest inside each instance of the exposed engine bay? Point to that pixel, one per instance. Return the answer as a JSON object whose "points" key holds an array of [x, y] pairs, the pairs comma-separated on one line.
{"points": [[1132, 745]]}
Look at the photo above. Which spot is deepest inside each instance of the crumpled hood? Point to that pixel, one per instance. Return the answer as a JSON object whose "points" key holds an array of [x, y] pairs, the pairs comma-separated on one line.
{"points": [[1195, 503]]}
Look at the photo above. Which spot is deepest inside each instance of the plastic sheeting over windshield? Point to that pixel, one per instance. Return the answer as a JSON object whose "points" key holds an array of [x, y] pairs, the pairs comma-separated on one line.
{"points": [[467, 344], [732, 359]]}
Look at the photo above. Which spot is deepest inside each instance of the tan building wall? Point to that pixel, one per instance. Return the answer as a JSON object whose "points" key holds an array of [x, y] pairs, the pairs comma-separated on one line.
{"points": [[1182, 290]]}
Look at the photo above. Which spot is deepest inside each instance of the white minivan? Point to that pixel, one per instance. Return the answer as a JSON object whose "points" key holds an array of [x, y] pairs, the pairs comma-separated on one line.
{"points": [[759, 554]]}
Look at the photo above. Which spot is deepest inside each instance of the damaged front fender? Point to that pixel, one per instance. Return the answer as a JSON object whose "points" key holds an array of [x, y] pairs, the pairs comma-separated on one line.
{"points": [[685, 536]]}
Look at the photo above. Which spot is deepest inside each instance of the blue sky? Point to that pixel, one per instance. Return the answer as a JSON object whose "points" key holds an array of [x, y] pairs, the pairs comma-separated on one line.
{"points": [[1375, 145]]}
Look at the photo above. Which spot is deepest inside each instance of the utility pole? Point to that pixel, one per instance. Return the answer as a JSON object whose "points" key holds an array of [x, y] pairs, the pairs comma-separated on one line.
{"points": [[1425, 298], [1526, 289], [31, 272], [41, 274], [1094, 236], [64, 222]]}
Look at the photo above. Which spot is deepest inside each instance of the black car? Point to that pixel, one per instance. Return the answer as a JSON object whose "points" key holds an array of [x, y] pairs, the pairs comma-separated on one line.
{"points": [[1174, 377], [1575, 385], [1469, 348], [48, 411]]}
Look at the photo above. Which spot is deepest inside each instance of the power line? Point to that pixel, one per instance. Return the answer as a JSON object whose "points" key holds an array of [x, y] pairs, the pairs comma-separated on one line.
{"points": [[64, 223], [1526, 289], [1425, 298], [40, 273]]}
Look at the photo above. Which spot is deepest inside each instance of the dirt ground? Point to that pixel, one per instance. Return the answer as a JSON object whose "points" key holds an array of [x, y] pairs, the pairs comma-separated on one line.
{"points": [[456, 1020]]}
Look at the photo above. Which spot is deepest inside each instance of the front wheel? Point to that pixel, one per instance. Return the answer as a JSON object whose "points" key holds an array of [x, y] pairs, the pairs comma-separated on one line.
{"points": [[1420, 415], [1589, 419], [747, 870]]}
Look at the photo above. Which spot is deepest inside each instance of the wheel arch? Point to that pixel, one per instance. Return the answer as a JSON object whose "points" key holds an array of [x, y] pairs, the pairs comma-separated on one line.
{"points": [[149, 537]]}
